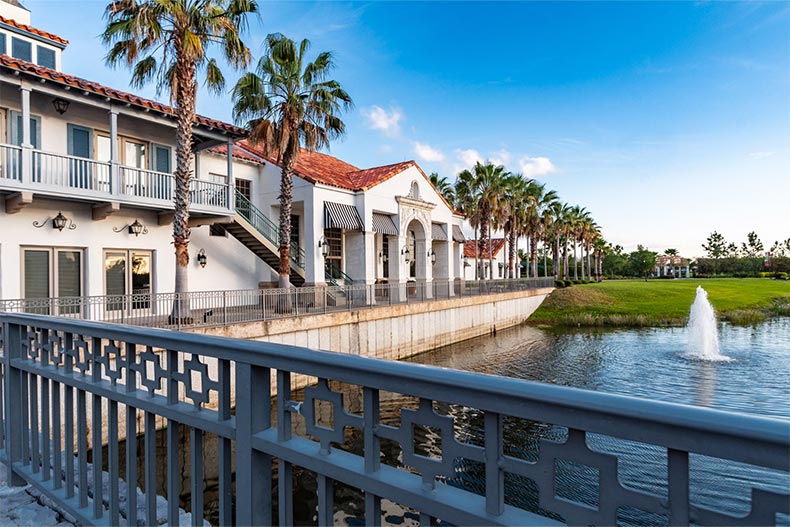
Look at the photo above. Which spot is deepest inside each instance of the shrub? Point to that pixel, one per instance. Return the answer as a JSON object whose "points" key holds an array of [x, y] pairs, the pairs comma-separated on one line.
{"points": [[768, 274], [559, 284], [568, 283], [577, 282], [781, 276]]}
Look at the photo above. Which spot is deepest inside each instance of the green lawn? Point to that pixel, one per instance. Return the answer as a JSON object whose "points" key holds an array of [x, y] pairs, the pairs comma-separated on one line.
{"points": [[662, 302]]}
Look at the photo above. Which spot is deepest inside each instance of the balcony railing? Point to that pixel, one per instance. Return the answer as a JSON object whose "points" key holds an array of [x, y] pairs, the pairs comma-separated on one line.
{"points": [[68, 175], [70, 386], [219, 308]]}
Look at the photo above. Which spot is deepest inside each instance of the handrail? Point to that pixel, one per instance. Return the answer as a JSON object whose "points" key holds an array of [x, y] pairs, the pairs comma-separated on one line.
{"points": [[51, 363], [333, 272], [270, 230]]}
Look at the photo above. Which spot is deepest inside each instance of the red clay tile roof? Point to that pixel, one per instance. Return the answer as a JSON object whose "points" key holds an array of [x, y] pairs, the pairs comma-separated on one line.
{"points": [[238, 153], [316, 167], [482, 252], [31, 29], [98, 89]]}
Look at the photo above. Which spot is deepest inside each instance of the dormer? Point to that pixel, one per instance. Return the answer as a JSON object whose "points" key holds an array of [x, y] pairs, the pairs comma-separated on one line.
{"points": [[22, 41]]}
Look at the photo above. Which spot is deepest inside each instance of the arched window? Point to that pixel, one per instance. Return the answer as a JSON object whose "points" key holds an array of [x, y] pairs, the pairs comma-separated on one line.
{"points": [[414, 192]]}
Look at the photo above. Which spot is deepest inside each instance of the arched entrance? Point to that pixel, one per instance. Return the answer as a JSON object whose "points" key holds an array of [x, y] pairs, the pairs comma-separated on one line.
{"points": [[417, 246]]}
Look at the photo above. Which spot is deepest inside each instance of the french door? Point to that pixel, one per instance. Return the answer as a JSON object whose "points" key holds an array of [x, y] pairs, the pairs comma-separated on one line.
{"points": [[128, 282]]}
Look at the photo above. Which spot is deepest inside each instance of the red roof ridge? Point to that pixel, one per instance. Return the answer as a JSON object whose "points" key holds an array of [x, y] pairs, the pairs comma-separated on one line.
{"points": [[30, 29], [482, 251], [106, 91], [238, 153]]}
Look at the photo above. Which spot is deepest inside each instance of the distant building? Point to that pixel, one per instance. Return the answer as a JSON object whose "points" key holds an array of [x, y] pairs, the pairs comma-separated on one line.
{"points": [[675, 266], [499, 255]]}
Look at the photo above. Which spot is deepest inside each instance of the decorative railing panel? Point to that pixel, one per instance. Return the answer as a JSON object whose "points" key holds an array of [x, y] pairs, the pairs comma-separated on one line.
{"points": [[70, 386], [219, 308]]}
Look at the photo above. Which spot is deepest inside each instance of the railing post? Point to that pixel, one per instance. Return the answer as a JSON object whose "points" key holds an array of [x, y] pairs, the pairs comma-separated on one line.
{"points": [[12, 336], [224, 308]]}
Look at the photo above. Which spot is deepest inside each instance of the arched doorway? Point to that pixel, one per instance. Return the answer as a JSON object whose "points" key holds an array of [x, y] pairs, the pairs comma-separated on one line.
{"points": [[418, 250]]}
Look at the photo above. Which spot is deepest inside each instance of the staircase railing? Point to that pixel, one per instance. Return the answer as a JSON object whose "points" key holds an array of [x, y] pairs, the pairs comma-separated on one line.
{"points": [[333, 275], [269, 229]]}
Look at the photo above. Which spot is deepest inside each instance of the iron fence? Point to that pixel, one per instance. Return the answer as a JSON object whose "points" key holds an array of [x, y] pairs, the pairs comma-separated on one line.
{"points": [[72, 388], [219, 308]]}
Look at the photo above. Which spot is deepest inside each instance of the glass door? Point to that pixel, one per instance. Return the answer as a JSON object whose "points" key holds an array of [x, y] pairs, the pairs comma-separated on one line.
{"points": [[128, 282]]}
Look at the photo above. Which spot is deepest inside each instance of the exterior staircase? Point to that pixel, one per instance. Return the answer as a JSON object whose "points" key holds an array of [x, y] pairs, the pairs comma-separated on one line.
{"points": [[260, 234], [334, 277]]}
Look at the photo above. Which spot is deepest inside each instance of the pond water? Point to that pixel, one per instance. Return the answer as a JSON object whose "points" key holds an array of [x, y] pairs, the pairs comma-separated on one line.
{"points": [[649, 363]]}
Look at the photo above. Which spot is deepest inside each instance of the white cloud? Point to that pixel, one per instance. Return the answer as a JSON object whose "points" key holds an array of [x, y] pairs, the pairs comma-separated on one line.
{"points": [[500, 157], [469, 157], [760, 155], [385, 120], [533, 167], [427, 152], [384, 149]]}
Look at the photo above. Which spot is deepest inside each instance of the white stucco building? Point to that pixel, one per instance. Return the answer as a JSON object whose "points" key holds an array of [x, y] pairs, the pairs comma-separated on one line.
{"points": [[86, 195]]}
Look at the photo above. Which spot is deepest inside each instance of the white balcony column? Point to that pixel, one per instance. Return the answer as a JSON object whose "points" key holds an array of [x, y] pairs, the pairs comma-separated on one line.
{"points": [[230, 181], [115, 164], [27, 146]]}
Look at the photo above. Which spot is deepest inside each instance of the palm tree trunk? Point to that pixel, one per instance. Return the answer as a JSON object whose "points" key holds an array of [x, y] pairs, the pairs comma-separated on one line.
{"points": [[286, 204], [565, 273], [490, 254], [575, 262], [477, 268], [588, 263], [533, 255], [556, 261], [511, 271], [185, 117], [545, 267]]}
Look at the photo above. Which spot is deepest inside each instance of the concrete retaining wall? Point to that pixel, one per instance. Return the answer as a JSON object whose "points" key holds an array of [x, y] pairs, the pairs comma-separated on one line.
{"points": [[394, 332]]}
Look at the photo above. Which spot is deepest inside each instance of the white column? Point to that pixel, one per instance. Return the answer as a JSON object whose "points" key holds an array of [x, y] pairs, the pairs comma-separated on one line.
{"points": [[114, 163], [230, 180], [27, 154], [313, 235], [399, 270]]}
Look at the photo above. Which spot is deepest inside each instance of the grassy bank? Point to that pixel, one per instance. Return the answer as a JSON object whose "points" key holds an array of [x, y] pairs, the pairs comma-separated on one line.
{"points": [[638, 303]]}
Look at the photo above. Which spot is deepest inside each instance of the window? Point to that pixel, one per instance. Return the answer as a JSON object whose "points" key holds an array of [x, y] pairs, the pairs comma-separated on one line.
{"points": [[412, 246], [385, 253], [414, 191], [161, 161], [16, 129], [2, 43], [128, 273], [45, 57], [244, 186], [48, 270], [21, 49], [295, 230], [334, 258]]}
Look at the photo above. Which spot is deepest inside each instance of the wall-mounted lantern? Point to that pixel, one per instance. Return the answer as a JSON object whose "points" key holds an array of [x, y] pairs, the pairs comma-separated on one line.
{"points": [[61, 105], [466, 261], [201, 258], [432, 256], [384, 257], [406, 255], [59, 222], [135, 228], [323, 246]]}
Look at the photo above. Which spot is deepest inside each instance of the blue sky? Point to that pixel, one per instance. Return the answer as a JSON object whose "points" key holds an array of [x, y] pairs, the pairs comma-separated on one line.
{"points": [[667, 120]]}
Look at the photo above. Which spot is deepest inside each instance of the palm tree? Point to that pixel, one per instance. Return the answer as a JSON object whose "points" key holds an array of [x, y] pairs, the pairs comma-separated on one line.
{"points": [[287, 104], [547, 228], [539, 200], [443, 186], [168, 42], [467, 203], [486, 185], [512, 207]]}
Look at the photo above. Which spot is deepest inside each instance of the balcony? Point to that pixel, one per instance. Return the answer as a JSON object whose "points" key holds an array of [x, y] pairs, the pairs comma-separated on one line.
{"points": [[63, 176]]}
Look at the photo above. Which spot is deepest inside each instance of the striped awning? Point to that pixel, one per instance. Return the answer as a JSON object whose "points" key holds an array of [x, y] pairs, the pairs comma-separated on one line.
{"points": [[339, 216], [383, 223], [437, 232], [458, 234]]}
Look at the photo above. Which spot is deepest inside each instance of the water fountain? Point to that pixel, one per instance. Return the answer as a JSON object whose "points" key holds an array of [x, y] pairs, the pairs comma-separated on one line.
{"points": [[703, 343]]}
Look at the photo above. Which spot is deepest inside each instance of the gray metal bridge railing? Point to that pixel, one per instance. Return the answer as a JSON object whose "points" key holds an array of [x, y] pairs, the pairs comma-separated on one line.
{"points": [[220, 308], [71, 385]]}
